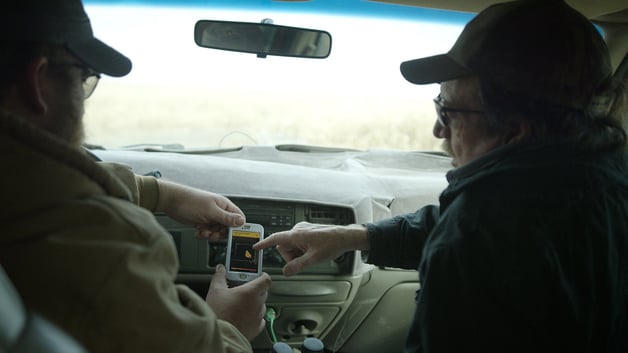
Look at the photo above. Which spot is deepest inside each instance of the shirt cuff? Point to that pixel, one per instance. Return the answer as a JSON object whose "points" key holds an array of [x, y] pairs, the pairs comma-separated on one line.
{"points": [[148, 188]]}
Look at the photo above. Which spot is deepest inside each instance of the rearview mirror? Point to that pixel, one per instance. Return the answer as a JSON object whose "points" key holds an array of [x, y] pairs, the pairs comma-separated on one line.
{"points": [[262, 39]]}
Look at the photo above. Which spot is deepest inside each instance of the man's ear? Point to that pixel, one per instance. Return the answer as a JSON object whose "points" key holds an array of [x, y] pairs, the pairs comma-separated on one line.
{"points": [[519, 130], [34, 85]]}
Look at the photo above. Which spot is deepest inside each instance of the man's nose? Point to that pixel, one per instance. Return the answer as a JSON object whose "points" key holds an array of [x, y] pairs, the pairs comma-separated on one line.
{"points": [[438, 130]]}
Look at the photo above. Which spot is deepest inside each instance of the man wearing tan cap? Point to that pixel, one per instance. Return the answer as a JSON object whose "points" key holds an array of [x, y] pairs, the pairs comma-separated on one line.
{"points": [[77, 237]]}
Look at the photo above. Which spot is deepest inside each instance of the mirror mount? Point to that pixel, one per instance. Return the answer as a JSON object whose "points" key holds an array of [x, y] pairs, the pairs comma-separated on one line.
{"points": [[266, 21]]}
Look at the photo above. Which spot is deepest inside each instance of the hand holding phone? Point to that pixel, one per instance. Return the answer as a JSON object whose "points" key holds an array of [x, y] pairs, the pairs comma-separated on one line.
{"points": [[243, 306], [243, 263]]}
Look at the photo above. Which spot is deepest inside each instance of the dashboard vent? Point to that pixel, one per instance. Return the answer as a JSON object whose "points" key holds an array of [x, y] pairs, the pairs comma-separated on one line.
{"points": [[329, 215]]}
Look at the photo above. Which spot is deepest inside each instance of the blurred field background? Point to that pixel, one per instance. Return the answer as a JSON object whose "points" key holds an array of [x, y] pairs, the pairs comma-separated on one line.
{"points": [[180, 93], [121, 114]]}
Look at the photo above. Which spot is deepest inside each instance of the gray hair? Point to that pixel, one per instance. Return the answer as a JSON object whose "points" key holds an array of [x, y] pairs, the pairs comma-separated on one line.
{"points": [[599, 126]]}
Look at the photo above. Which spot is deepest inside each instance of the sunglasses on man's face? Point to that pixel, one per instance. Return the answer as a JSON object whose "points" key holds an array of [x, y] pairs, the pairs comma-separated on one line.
{"points": [[442, 111]]}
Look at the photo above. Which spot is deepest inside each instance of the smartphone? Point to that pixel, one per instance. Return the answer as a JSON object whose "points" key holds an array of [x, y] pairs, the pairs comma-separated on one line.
{"points": [[243, 263]]}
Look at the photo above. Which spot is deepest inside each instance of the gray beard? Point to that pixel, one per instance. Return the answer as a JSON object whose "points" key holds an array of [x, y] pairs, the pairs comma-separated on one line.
{"points": [[446, 147], [67, 122]]}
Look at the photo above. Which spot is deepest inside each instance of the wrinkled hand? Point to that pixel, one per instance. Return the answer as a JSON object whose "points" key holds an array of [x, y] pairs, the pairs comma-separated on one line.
{"points": [[306, 244], [211, 214], [243, 306]]}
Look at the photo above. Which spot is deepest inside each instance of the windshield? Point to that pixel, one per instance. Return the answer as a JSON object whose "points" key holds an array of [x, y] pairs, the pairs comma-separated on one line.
{"points": [[180, 94]]}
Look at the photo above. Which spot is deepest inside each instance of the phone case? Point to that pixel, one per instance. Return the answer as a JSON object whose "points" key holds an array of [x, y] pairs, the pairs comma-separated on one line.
{"points": [[243, 264]]}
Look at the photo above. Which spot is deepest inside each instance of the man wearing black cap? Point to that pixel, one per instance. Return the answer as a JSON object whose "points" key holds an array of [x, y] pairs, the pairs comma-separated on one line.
{"points": [[528, 249], [72, 237]]}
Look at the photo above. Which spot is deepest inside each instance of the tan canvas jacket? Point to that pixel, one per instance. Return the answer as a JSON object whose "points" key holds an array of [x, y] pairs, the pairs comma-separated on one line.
{"points": [[84, 255]]}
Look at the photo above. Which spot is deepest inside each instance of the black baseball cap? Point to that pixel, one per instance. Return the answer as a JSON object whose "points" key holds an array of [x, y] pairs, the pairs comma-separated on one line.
{"points": [[63, 22], [542, 49]]}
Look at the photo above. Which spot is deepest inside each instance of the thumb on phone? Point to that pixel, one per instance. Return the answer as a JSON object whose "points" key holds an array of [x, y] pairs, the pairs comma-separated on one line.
{"points": [[219, 279], [232, 219]]}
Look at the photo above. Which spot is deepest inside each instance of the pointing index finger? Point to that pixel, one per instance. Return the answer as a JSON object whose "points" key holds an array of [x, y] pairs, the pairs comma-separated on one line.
{"points": [[272, 240]]}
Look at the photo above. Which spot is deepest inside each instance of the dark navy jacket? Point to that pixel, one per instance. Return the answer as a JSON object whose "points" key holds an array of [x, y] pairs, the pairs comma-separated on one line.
{"points": [[528, 252]]}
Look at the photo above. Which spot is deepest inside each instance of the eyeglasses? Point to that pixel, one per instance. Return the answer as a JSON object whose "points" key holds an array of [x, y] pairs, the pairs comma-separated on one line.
{"points": [[89, 76], [441, 111]]}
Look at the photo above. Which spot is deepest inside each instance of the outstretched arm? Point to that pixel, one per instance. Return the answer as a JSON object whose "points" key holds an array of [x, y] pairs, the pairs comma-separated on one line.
{"points": [[306, 244], [211, 214]]}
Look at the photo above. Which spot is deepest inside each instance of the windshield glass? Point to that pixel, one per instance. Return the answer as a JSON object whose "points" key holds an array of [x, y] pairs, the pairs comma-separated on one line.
{"points": [[180, 94]]}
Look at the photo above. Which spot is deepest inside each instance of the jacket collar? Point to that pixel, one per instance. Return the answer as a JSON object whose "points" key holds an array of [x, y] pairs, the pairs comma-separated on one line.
{"points": [[528, 155], [42, 149]]}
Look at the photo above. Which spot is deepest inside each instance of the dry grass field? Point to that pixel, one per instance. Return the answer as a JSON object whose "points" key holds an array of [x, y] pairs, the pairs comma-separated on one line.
{"points": [[124, 114]]}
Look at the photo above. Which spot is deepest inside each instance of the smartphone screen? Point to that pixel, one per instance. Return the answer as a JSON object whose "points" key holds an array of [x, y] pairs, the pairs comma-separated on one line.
{"points": [[243, 263], [243, 258]]}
